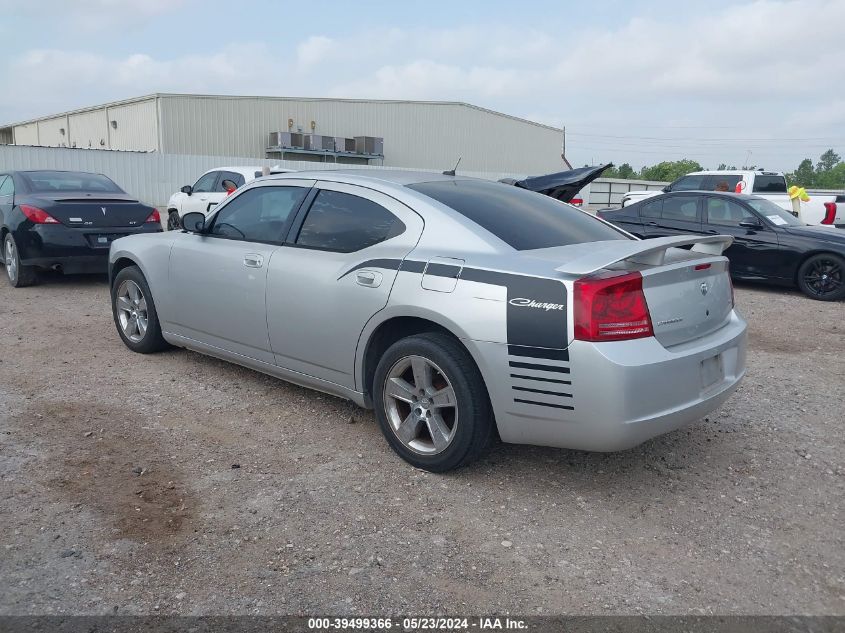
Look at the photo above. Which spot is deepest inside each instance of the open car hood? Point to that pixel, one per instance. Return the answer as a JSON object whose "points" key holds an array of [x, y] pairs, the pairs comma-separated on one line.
{"points": [[562, 185]]}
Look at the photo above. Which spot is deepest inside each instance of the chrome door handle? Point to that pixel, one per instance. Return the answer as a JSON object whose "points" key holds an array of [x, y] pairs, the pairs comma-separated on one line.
{"points": [[253, 260], [368, 278]]}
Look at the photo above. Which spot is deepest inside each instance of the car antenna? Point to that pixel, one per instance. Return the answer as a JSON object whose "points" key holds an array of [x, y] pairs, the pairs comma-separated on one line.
{"points": [[451, 172]]}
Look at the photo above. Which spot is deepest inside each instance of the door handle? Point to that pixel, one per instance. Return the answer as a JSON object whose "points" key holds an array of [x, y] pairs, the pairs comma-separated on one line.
{"points": [[253, 260], [651, 223], [712, 231], [368, 278]]}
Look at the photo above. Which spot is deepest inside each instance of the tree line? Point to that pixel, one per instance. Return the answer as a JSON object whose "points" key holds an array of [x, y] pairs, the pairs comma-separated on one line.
{"points": [[827, 173]]}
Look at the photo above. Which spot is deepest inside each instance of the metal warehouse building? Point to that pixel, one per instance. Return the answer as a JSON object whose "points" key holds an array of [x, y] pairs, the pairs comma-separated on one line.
{"points": [[414, 134]]}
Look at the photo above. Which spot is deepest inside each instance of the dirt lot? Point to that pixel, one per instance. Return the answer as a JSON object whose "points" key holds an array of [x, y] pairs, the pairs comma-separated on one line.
{"points": [[119, 491]]}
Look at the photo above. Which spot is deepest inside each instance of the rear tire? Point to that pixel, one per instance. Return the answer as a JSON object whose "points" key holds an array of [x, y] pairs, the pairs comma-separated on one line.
{"points": [[18, 275], [431, 403], [135, 313], [822, 277], [173, 222]]}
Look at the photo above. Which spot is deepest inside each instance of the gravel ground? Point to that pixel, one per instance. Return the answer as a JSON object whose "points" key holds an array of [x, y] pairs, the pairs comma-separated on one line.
{"points": [[179, 484]]}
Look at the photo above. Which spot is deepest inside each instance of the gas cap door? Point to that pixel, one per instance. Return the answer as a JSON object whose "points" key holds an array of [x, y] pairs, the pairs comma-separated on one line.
{"points": [[441, 274]]}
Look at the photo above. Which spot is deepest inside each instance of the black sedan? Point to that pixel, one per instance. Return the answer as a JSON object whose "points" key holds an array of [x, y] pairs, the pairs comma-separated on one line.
{"points": [[770, 244], [64, 220]]}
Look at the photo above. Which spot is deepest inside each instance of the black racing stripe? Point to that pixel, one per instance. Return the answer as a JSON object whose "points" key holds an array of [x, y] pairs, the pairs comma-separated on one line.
{"points": [[554, 368], [488, 276], [389, 264], [538, 352], [557, 382], [548, 393], [443, 270], [411, 266], [545, 404]]}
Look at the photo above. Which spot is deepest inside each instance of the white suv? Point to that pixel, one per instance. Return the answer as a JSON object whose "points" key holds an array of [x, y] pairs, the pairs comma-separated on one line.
{"points": [[211, 189]]}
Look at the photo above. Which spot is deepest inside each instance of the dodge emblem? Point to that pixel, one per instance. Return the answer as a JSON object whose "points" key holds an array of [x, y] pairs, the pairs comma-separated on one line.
{"points": [[704, 288]]}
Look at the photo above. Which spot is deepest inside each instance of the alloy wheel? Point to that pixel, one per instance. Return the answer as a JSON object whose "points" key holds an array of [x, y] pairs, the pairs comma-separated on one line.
{"points": [[824, 277], [11, 260], [131, 308], [421, 405]]}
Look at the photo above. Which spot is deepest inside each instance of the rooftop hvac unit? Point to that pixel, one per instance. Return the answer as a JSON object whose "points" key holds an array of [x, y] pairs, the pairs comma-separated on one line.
{"points": [[343, 144], [369, 145], [319, 143], [286, 139]]}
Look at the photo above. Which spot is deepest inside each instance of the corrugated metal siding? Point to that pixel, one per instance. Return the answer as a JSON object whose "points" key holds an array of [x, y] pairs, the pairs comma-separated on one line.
{"points": [[151, 177], [7, 136], [89, 129], [137, 128], [50, 132], [26, 134], [422, 135]]}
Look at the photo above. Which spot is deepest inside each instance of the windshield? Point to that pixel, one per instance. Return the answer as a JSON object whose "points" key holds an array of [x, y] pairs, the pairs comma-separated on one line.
{"points": [[61, 181], [523, 219], [773, 213]]}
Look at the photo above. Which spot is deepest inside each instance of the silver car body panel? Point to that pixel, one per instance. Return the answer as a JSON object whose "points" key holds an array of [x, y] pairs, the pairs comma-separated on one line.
{"points": [[511, 309]]}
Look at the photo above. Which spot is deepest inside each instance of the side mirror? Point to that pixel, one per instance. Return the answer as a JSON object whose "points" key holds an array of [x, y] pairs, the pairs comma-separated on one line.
{"points": [[751, 223], [193, 222], [666, 189], [187, 189]]}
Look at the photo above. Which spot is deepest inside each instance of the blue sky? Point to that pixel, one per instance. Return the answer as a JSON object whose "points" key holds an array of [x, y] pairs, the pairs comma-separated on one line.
{"points": [[631, 81]]}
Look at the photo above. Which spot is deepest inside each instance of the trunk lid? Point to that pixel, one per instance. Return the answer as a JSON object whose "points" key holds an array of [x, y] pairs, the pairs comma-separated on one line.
{"points": [[688, 292], [84, 211], [561, 185]]}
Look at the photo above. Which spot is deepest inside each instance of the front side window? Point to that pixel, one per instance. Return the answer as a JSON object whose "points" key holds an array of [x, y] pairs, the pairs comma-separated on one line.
{"points": [[238, 179], [206, 182], [683, 208], [345, 223], [722, 182], [258, 215], [726, 212], [689, 183], [523, 219], [7, 186]]}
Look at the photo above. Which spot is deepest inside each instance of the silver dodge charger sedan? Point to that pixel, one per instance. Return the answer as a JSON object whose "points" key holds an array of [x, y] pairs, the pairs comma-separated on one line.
{"points": [[454, 307]]}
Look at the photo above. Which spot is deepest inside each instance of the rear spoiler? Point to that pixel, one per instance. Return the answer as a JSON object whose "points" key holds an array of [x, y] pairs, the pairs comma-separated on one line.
{"points": [[651, 252], [561, 186]]}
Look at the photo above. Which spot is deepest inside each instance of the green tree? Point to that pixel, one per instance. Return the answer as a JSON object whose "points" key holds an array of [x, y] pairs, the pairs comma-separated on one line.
{"points": [[670, 170], [804, 176], [828, 161], [626, 171], [833, 178]]}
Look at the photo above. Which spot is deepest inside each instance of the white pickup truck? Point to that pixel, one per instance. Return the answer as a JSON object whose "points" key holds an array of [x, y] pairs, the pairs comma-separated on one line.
{"points": [[765, 184]]}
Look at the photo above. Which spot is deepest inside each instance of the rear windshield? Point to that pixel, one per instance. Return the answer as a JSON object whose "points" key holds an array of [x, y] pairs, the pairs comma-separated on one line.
{"points": [[59, 181], [523, 219], [769, 184]]}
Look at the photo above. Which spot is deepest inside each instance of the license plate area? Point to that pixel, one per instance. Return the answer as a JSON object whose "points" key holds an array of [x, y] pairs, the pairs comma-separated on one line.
{"points": [[102, 240], [712, 371]]}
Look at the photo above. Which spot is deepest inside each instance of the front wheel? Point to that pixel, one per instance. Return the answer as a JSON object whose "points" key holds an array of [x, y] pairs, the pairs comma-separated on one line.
{"points": [[134, 312], [431, 402], [822, 277]]}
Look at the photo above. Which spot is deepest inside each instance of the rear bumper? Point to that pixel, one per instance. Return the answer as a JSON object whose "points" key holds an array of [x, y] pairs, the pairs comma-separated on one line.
{"points": [[74, 250], [623, 394]]}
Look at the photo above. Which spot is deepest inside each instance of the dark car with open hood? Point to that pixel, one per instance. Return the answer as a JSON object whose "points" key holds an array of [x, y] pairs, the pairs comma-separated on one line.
{"points": [[65, 221]]}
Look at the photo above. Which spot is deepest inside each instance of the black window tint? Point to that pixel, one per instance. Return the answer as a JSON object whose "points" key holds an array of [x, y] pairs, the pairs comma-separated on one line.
{"points": [[206, 182], [689, 183], [59, 181], [521, 218], [238, 179], [769, 184], [345, 223], [680, 208], [258, 215], [7, 186], [726, 212], [651, 209]]}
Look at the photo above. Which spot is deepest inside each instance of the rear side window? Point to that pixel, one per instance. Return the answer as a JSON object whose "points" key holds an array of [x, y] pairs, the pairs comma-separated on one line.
{"points": [[259, 215], [651, 209], [344, 223], [769, 184], [523, 219], [7, 186], [720, 182], [683, 208], [689, 183]]}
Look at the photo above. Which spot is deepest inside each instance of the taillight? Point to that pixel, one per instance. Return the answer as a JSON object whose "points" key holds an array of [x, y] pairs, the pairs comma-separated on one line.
{"points": [[39, 216], [829, 213], [154, 217], [577, 202], [611, 307]]}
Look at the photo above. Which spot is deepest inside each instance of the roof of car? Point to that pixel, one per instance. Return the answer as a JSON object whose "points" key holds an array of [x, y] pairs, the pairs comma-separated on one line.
{"points": [[709, 192], [395, 176]]}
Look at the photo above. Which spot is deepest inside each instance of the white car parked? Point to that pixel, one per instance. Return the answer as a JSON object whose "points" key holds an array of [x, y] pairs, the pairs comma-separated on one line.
{"points": [[211, 189]]}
